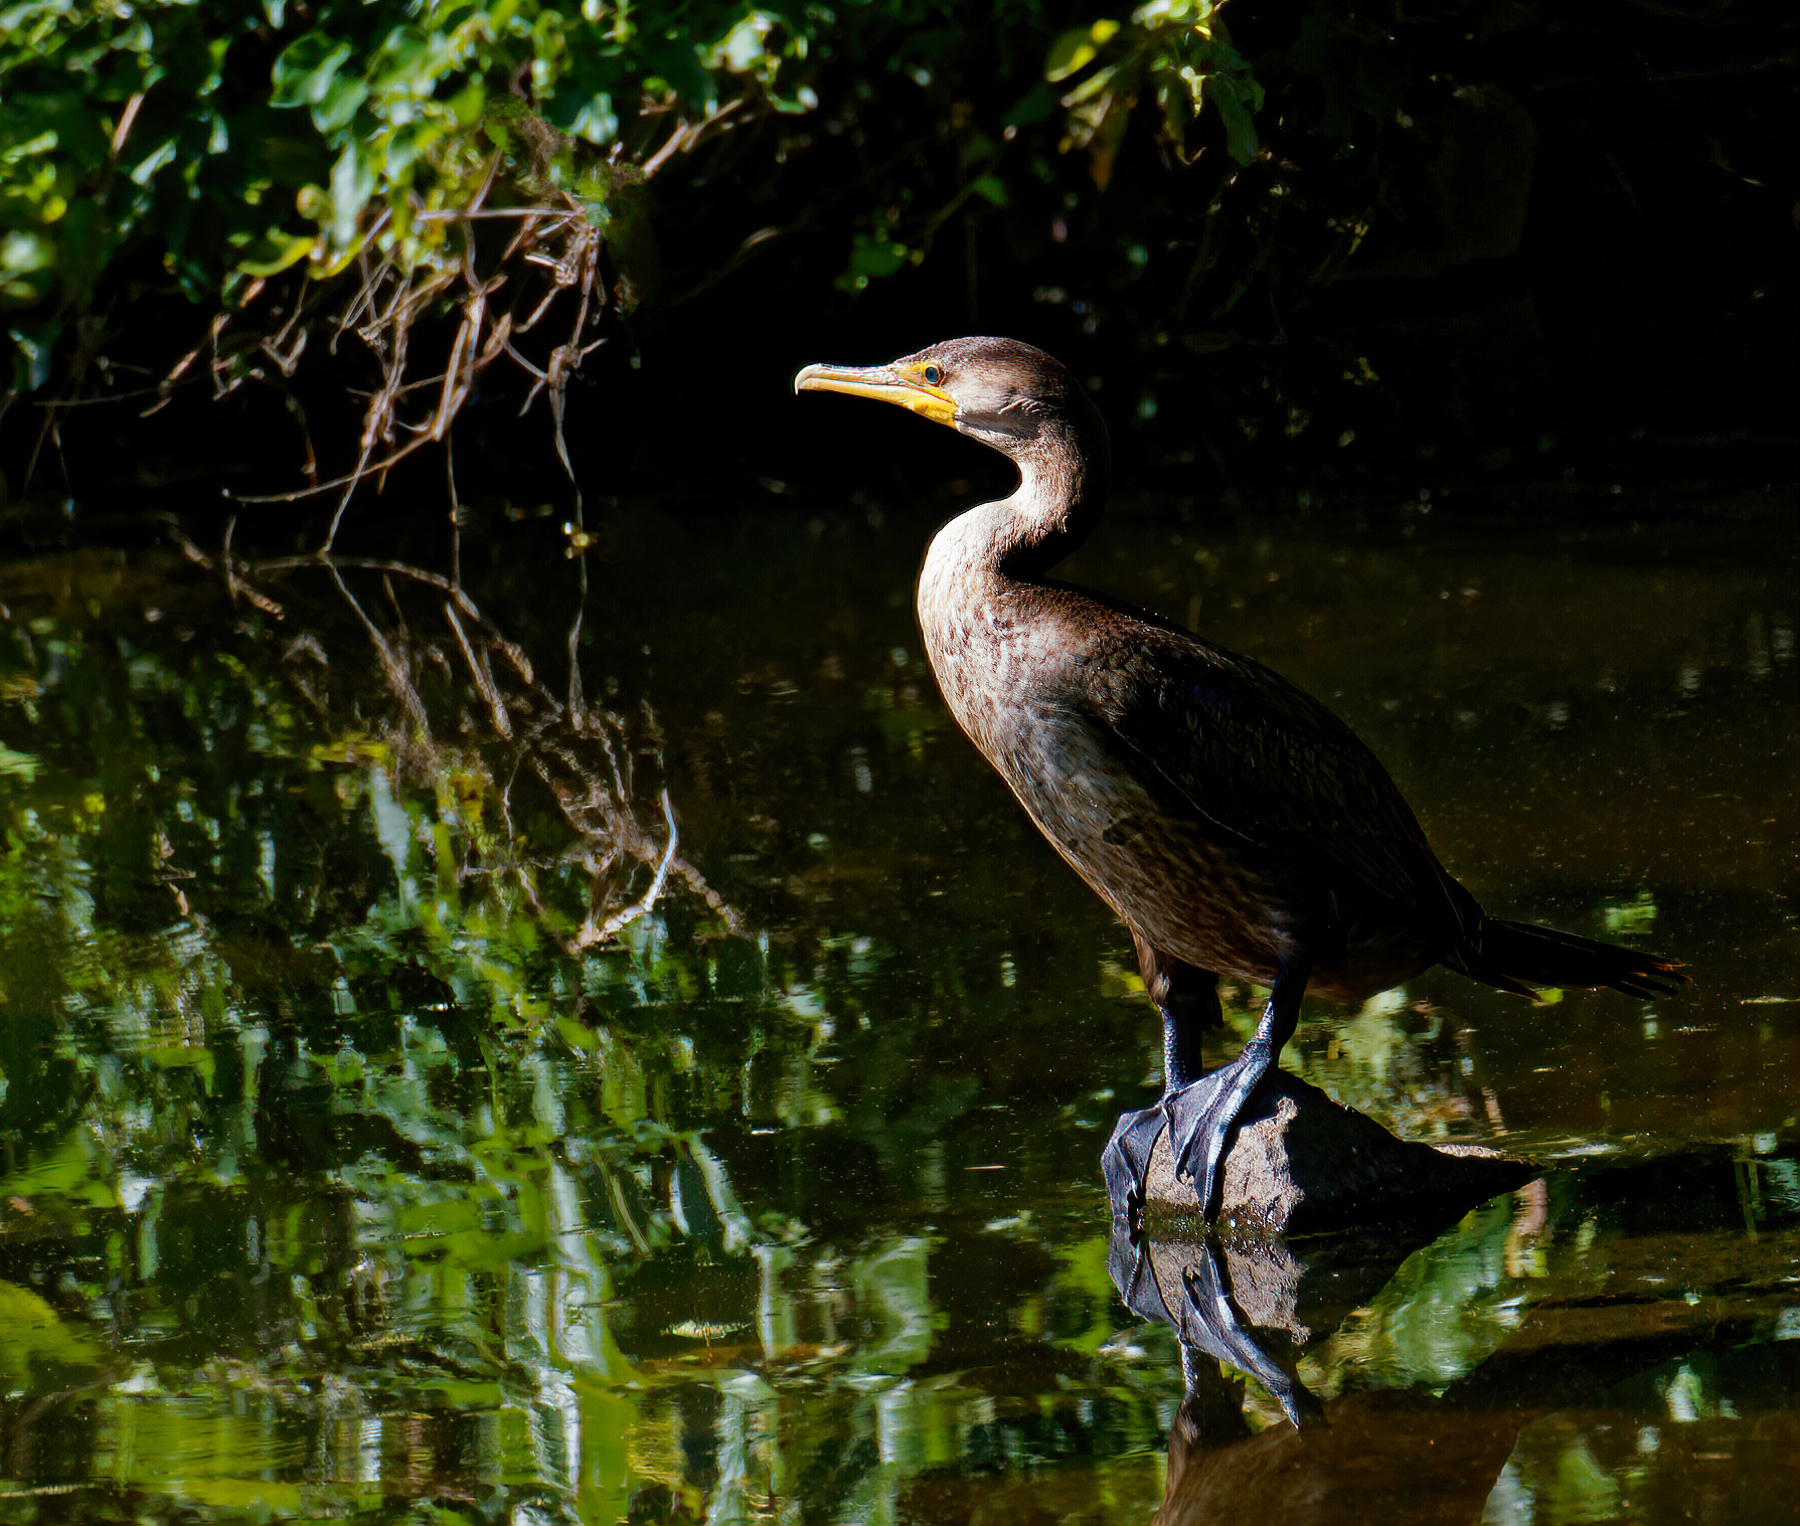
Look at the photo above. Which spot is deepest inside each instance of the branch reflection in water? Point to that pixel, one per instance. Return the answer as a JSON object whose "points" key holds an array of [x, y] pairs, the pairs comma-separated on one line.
{"points": [[467, 712]]}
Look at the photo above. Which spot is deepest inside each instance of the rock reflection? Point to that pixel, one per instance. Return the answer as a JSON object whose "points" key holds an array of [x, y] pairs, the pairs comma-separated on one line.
{"points": [[1182, 1285], [1405, 1403]]}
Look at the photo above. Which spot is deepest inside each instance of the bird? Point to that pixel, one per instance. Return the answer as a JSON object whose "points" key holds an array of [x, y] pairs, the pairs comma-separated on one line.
{"points": [[1234, 824]]}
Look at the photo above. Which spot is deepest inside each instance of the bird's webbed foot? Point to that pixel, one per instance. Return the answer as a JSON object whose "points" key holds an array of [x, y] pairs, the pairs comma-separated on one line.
{"points": [[1188, 999], [1126, 1161], [1202, 1114], [1201, 1117]]}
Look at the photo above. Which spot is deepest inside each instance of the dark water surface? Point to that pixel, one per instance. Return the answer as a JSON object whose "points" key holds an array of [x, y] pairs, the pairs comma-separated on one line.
{"points": [[368, 1150]]}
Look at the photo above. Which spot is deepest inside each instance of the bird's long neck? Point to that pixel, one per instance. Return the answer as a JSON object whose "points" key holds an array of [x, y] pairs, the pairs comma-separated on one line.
{"points": [[983, 580], [1061, 492]]}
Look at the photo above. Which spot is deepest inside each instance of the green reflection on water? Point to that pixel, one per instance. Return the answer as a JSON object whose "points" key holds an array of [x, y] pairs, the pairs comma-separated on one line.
{"points": [[344, 1169]]}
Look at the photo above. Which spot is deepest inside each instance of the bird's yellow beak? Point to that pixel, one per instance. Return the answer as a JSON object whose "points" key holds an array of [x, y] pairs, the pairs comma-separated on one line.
{"points": [[886, 384]]}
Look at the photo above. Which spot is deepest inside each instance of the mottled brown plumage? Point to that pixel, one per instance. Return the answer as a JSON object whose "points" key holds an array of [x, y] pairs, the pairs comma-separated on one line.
{"points": [[1235, 824]]}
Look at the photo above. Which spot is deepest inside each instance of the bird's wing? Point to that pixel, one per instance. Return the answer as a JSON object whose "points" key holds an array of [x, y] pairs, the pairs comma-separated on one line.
{"points": [[1251, 752]]}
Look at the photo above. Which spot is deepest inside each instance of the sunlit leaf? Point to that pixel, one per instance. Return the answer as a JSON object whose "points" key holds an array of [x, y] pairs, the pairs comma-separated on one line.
{"points": [[307, 70], [1100, 82], [339, 102], [1078, 47], [352, 184]]}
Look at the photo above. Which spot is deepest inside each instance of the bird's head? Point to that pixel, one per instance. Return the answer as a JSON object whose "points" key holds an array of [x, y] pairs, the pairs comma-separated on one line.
{"points": [[1005, 394]]}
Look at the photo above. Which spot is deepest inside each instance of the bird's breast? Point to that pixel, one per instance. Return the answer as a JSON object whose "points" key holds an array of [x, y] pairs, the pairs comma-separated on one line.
{"points": [[994, 665], [1016, 670]]}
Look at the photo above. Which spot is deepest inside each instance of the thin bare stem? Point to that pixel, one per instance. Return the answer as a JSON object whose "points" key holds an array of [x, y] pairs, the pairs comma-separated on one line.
{"points": [[647, 902]]}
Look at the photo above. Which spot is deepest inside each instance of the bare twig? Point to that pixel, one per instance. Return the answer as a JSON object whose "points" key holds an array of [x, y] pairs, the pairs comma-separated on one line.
{"points": [[481, 673], [645, 903], [387, 303], [126, 118]]}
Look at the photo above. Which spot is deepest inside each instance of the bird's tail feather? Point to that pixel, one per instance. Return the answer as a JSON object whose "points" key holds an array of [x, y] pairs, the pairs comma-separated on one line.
{"points": [[1517, 956]]}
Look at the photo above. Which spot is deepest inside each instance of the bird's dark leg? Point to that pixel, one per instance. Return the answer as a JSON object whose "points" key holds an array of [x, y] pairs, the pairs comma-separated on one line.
{"points": [[1188, 999], [1201, 1116]]}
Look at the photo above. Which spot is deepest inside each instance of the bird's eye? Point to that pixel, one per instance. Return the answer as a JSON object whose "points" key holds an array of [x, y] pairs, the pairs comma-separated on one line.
{"points": [[933, 375]]}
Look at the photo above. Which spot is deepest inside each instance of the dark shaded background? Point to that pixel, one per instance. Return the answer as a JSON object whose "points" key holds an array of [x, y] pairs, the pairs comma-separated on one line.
{"points": [[1580, 272]]}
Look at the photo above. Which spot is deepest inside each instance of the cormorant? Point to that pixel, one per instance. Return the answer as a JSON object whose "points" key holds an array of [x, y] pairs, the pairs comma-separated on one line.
{"points": [[1235, 824]]}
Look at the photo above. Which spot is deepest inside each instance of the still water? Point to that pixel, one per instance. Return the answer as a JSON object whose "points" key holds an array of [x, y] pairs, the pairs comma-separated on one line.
{"points": [[433, 1095]]}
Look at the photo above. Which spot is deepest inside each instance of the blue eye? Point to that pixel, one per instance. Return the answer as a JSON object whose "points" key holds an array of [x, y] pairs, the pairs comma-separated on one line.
{"points": [[933, 375]]}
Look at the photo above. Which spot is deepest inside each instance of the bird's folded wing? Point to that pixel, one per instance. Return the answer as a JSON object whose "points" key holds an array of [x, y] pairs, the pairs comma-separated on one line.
{"points": [[1248, 750]]}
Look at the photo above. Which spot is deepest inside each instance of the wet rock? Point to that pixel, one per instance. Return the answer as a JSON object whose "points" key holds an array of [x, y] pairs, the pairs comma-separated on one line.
{"points": [[1301, 1163]]}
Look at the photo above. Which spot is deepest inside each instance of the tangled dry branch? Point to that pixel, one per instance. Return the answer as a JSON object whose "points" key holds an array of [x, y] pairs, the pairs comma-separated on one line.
{"points": [[492, 302]]}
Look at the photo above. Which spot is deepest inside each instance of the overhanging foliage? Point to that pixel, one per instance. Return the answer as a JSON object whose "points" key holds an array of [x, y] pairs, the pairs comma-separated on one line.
{"points": [[313, 171]]}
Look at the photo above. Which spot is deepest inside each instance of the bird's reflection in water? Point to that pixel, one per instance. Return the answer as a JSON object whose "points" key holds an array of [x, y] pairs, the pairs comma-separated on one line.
{"points": [[1255, 1306], [1182, 1284]]}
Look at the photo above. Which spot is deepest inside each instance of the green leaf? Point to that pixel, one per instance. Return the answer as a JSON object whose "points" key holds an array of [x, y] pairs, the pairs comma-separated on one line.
{"points": [[19, 765], [352, 184], [1241, 141], [1036, 105], [594, 120], [991, 188], [1097, 83], [1182, 13], [273, 253], [338, 104], [24, 251], [745, 45], [1108, 136], [1078, 47], [144, 171], [304, 73]]}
